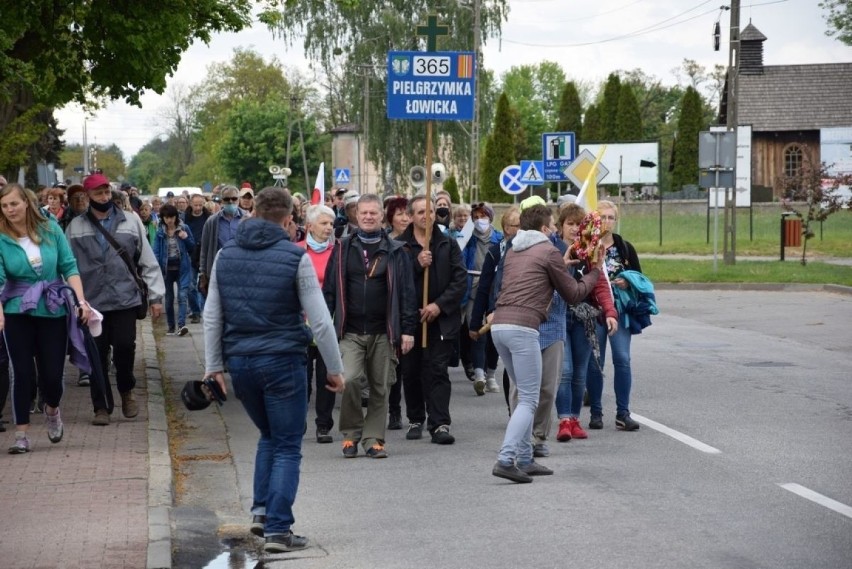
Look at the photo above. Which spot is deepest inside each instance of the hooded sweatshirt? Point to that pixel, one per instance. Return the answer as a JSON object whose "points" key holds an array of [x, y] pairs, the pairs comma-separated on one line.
{"points": [[533, 269]]}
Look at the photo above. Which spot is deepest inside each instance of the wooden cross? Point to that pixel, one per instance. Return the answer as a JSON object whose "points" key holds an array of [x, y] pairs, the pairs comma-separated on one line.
{"points": [[432, 30]]}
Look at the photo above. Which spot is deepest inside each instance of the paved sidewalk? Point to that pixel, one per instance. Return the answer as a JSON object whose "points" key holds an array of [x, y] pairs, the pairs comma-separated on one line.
{"points": [[84, 502]]}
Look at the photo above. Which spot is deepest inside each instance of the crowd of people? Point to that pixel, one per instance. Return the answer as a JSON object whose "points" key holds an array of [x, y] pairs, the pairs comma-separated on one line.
{"points": [[391, 293]]}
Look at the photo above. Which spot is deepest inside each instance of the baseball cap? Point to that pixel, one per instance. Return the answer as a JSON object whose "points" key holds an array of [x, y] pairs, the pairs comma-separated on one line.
{"points": [[95, 181], [350, 198], [246, 192], [531, 201], [565, 199]]}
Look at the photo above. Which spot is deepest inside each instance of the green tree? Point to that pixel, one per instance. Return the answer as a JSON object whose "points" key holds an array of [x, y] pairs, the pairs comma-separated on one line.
{"points": [[689, 124], [570, 114], [592, 127], [110, 159], [54, 53], [534, 92], [499, 153], [451, 186], [839, 19], [349, 39], [609, 108], [628, 122]]}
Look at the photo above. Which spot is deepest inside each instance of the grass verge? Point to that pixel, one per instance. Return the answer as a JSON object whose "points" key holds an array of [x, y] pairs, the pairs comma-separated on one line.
{"points": [[758, 272]]}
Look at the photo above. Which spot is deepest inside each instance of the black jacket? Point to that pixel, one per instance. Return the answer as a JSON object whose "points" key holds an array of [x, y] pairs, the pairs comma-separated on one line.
{"points": [[447, 277]]}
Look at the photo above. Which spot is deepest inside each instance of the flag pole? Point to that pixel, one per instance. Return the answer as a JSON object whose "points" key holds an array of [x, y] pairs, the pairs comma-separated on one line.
{"points": [[428, 201]]}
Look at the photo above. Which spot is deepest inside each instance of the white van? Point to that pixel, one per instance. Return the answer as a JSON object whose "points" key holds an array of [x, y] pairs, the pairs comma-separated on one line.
{"points": [[163, 192]]}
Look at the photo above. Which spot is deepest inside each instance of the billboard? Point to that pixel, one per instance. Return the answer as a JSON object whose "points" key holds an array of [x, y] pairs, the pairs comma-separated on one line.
{"points": [[629, 163]]}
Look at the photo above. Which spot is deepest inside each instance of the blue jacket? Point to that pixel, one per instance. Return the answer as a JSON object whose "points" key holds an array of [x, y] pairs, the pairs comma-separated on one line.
{"points": [[258, 268], [186, 246], [469, 256], [636, 303]]}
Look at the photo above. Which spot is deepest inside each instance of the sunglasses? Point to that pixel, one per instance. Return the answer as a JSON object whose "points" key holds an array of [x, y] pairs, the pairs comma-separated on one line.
{"points": [[230, 200]]}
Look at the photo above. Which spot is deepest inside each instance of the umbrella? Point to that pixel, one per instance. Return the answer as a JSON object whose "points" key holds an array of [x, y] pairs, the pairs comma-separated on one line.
{"points": [[101, 391]]}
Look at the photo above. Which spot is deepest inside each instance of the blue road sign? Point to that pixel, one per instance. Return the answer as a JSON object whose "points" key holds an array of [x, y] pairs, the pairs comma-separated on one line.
{"points": [[431, 85], [510, 180], [341, 176], [557, 150], [532, 172]]}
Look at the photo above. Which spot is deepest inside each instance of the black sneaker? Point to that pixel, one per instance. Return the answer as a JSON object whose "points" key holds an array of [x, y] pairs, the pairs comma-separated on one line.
{"points": [[468, 371], [257, 525], [511, 472], [84, 380], [350, 449], [323, 436], [415, 431], [183, 331], [194, 318], [377, 451], [626, 423], [284, 543], [170, 332], [596, 422], [395, 422], [442, 436]]}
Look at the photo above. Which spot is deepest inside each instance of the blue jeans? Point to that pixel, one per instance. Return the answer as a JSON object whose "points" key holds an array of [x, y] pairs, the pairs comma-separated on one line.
{"points": [[521, 355], [578, 354], [620, 343], [272, 390], [196, 300], [172, 279]]}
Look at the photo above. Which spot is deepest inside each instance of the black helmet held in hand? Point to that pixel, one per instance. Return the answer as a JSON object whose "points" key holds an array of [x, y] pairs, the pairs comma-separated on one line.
{"points": [[197, 395]]}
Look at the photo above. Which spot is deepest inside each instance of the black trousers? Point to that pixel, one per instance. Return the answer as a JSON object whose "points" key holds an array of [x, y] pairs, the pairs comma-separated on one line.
{"points": [[119, 334], [324, 398], [395, 396], [41, 344], [4, 374], [427, 381]]}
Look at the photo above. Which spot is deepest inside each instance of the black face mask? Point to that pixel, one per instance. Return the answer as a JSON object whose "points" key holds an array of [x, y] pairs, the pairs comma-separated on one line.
{"points": [[101, 207], [443, 212]]}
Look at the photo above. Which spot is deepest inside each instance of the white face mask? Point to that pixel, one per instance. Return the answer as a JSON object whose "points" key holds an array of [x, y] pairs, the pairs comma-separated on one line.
{"points": [[482, 224]]}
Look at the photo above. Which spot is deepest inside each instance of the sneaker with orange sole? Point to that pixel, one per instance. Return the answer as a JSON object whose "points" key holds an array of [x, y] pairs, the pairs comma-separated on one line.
{"points": [[350, 449], [377, 451]]}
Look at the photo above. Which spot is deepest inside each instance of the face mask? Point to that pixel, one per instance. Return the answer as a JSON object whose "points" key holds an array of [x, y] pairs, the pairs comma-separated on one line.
{"points": [[443, 212], [482, 224], [230, 208], [315, 245], [101, 207]]}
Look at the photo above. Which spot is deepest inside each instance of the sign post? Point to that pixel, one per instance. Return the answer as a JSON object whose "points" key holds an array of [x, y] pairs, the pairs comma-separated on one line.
{"points": [[557, 151], [431, 85]]}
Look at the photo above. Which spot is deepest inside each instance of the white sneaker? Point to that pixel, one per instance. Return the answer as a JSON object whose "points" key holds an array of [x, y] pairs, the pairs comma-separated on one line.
{"points": [[491, 385], [479, 382], [54, 426]]}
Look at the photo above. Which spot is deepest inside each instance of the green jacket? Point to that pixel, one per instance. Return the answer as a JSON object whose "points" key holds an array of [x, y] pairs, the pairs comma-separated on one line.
{"points": [[57, 261]]}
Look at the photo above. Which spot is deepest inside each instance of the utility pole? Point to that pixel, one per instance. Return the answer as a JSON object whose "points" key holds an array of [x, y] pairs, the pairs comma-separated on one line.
{"points": [[366, 128], [729, 255], [474, 128], [86, 170]]}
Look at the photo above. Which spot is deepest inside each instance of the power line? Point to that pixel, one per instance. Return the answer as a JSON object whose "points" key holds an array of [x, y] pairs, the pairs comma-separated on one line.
{"points": [[583, 18]]}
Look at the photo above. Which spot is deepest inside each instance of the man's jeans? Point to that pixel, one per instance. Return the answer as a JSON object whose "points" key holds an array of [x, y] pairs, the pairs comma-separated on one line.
{"points": [[623, 379], [172, 281], [272, 390], [196, 300]]}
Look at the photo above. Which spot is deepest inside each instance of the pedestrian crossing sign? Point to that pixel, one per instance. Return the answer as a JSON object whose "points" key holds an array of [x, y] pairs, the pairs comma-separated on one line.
{"points": [[341, 176], [532, 172]]}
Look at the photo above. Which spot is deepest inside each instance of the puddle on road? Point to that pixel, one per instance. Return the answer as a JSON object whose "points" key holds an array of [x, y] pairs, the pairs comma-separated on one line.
{"points": [[238, 554]]}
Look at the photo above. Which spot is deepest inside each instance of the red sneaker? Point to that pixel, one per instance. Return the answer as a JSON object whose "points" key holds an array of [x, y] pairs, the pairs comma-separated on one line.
{"points": [[564, 434], [577, 431]]}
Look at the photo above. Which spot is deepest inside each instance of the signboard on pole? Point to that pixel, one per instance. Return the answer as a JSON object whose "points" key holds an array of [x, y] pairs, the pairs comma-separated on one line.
{"points": [[532, 172], [557, 151], [510, 180], [342, 176], [431, 85]]}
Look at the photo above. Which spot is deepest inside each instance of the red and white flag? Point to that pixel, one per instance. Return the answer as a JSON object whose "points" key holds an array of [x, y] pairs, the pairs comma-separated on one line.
{"points": [[318, 195]]}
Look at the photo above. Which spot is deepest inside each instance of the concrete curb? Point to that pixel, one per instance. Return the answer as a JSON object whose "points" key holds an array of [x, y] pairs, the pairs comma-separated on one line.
{"points": [[838, 289], [160, 485]]}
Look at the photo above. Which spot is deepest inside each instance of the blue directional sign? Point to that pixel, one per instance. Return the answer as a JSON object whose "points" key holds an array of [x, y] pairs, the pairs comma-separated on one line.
{"points": [[510, 180], [557, 150], [341, 176], [532, 172], [431, 85]]}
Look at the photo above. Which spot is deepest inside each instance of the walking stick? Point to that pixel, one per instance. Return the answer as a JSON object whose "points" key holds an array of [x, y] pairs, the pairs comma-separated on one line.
{"points": [[424, 341]]}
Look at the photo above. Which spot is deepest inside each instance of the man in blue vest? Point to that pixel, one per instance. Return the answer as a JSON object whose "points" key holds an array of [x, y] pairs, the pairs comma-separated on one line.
{"points": [[260, 287]]}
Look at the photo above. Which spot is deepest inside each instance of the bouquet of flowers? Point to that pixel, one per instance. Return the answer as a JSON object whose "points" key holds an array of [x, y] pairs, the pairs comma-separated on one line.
{"points": [[586, 246]]}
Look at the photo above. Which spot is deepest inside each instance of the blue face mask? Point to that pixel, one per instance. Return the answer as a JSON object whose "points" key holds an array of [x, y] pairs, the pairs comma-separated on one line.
{"points": [[230, 208]]}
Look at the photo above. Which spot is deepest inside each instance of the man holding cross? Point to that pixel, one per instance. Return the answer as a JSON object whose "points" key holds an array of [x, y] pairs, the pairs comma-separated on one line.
{"points": [[427, 381]]}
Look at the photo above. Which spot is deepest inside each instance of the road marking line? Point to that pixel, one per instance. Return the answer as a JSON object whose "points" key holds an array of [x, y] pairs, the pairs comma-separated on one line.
{"points": [[676, 435], [818, 498]]}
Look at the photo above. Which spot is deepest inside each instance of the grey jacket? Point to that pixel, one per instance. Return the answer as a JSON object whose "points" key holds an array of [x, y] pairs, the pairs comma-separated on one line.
{"points": [[209, 240], [107, 281]]}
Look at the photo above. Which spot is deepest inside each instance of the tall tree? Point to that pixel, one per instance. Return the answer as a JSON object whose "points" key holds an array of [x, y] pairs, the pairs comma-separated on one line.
{"points": [[53, 53], [609, 107], [839, 19], [499, 153], [570, 114], [534, 91], [689, 124], [349, 41], [628, 122], [592, 127]]}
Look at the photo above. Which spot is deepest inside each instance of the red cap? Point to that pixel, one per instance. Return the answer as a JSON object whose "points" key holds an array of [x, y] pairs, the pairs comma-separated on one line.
{"points": [[95, 181]]}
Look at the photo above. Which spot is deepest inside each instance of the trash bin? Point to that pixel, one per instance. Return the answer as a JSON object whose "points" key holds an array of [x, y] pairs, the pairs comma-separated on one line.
{"points": [[791, 232]]}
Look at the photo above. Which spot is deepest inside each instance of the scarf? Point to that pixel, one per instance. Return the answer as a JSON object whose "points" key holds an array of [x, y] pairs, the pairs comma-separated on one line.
{"points": [[370, 237], [315, 245]]}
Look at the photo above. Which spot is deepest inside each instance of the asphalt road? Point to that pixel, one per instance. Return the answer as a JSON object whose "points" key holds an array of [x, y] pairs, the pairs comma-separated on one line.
{"points": [[742, 461]]}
